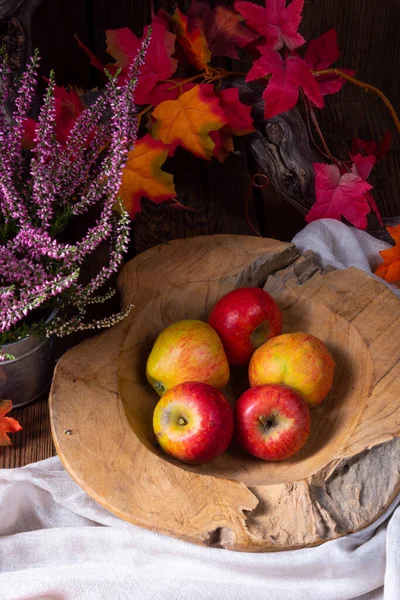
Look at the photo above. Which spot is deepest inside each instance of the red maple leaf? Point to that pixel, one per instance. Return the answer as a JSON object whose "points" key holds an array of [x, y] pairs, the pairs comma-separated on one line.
{"points": [[277, 22], [238, 114], [321, 54], [223, 141], [123, 46], [362, 166], [239, 123], [371, 147], [68, 107], [222, 27], [7, 425], [339, 196], [282, 92]]}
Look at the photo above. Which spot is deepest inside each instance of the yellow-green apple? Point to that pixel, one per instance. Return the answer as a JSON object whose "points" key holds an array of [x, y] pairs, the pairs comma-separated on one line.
{"points": [[244, 319], [298, 360], [193, 422], [272, 422], [187, 351]]}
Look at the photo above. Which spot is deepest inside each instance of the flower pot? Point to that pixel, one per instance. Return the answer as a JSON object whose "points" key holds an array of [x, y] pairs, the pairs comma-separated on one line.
{"points": [[27, 376]]}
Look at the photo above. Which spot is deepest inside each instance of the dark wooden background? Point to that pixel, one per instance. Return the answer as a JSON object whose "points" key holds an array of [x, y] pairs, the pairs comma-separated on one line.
{"points": [[368, 33]]}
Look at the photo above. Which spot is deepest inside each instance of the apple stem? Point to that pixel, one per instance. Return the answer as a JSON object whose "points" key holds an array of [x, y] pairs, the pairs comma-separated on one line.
{"points": [[267, 423], [182, 421]]}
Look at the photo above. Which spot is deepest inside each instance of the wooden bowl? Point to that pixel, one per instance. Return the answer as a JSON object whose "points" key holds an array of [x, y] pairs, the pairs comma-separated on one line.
{"points": [[332, 421], [345, 476]]}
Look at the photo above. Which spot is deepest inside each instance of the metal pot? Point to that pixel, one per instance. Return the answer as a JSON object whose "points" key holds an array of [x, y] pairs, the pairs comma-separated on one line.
{"points": [[27, 376]]}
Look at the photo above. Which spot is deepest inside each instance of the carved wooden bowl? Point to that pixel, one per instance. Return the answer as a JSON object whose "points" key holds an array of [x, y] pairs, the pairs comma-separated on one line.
{"points": [[343, 478], [332, 421]]}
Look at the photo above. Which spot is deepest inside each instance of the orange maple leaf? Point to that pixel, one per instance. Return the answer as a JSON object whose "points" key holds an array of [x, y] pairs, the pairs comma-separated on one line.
{"points": [[7, 425], [143, 176], [193, 41], [188, 121], [389, 270]]}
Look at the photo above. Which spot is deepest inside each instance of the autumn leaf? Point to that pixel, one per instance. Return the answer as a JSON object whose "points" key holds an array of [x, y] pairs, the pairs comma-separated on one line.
{"points": [[28, 138], [222, 27], [123, 46], [321, 54], [362, 166], [239, 123], [168, 91], [238, 114], [339, 196], [282, 92], [389, 270], [188, 121], [68, 107], [143, 176], [277, 22], [96, 62], [371, 147], [223, 141], [192, 40], [7, 425]]}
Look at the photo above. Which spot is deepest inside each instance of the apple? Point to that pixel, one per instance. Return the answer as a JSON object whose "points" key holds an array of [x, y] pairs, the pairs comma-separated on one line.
{"points": [[187, 351], [193, 422], [244, 319], [298, 360], [272, 422]]}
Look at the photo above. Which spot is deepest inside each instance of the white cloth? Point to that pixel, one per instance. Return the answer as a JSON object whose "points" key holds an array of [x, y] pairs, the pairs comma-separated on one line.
{"points": [[341, 246], [56, 543]]}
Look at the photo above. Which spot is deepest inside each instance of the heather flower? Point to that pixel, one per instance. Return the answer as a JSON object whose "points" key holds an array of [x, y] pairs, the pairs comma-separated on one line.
{"points": [[42, 190]]}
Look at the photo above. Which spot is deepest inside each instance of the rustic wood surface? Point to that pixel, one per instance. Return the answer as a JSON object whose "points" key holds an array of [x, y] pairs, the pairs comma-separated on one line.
{"points": [[334, 486], [369, 43]]}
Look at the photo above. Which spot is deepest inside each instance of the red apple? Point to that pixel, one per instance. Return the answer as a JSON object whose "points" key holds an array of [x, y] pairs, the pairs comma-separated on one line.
{"points": [[272, 422], [244, 319], [193, 422]]}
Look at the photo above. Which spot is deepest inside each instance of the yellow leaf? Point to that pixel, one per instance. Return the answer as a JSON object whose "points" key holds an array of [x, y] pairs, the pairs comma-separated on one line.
{"points": [[143, 176], [188, 121]]}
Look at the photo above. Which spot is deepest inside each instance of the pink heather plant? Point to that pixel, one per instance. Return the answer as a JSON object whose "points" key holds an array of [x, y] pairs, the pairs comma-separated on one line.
{"points": [[43, 189]]}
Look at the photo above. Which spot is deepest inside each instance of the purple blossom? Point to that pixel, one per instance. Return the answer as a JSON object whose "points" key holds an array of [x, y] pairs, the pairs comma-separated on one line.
{"points": [[39, 195]]}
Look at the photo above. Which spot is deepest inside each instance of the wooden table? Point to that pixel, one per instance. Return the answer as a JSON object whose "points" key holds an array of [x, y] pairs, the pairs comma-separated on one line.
{"points": [[217, 194]]}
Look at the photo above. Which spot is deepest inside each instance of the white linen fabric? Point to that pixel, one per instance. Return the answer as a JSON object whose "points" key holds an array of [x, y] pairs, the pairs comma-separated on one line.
{"points": [[56, 543]]}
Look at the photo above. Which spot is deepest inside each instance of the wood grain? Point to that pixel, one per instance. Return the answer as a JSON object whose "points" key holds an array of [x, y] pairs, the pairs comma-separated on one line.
{"points": [[232, 504], [34, 442]]}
